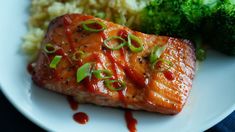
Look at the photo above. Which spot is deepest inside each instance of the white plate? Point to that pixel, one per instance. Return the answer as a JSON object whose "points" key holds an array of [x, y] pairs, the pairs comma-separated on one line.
{"points": [[212, 97]]}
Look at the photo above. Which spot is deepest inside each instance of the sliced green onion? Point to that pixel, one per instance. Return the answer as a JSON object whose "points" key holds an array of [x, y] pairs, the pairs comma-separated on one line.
{"points": [[169, 63], [83, 72], [49, 48], [200, 54], [109, 84], [132, 47], [55, 61], [156, 53], [77, 55], [86, 24], [102, 74], [119, 45]]}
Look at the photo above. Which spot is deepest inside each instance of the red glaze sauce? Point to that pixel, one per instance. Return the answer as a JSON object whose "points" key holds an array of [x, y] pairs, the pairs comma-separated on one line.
{"points": [[131, 73], [81, 117], [68, 32], [159, 64], [94, 26], [87, 81], [114, 69], [103, 36], [108, 53], [62, 53], [30, 68], [92, 83], [131, 122], [72, 103], [134, 76], [169, 75], [123, 33]]}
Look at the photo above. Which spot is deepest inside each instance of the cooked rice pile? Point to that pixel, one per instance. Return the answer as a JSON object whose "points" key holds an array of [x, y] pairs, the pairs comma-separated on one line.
{"points": [[124, 12]]}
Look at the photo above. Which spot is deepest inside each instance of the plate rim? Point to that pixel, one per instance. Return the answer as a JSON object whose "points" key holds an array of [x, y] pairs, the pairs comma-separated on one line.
{"points": [[23, 111], [39, 123]]}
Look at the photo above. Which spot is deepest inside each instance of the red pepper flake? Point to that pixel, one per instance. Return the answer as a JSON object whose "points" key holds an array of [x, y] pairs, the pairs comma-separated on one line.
{"points": [[159, 65], [123, 34], [131, 122], [169, 75], [81, 117], [73, 104], [30, 68]]}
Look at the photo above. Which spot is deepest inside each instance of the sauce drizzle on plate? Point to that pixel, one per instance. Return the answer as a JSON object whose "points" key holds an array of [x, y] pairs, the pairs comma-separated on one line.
{"points": [[81, 117], [131, 122], [72, 103]]}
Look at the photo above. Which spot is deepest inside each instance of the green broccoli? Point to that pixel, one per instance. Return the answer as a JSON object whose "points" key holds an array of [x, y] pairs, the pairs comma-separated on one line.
{"points": [[213, 20], [164, 17], [219, 29], [174, 18], [179, 18], [196, 10]]}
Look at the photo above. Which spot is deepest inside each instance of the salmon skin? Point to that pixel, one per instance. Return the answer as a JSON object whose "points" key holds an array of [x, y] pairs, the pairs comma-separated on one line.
{"points": [[162, 87]]}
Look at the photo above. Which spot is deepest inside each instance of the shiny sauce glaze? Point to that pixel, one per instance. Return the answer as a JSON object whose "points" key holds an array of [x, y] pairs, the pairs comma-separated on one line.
{"points": [[30, 68], [91, 83], [131, 122], [68, 32], [72, 103], [169, 75], [114, 65], [81, 117]]}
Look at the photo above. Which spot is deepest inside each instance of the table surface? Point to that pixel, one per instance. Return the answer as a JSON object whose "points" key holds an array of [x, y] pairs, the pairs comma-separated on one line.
{"points": [[12, 120]]}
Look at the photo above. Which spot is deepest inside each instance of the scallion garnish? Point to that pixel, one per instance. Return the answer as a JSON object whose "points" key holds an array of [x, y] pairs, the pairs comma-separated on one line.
{"points": [[99, 26], [118, 44], [55, 61], [154, 57], [83, 72], [102, 74], [137, 46], [77, 55], [169, 63], [49, 48], [156, 53], [114, 85]]}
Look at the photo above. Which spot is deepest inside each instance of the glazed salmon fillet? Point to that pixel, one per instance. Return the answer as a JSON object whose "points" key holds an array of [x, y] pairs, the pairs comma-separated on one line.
{"points": [[137, 71]]}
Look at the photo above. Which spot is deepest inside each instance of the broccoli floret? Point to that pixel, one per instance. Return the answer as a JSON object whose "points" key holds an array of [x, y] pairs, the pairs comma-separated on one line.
{"points": [[196, 10], [164, 17], [179, 18], [214, 20], [168, 17], [220, 28]]}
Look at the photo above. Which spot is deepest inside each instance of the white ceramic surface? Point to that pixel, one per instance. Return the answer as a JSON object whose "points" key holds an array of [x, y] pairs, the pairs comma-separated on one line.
{"points": [[212, 97]]}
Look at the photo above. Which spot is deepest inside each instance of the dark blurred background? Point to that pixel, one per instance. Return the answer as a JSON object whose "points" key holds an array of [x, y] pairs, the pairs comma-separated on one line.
{"points": [[12, 120]]}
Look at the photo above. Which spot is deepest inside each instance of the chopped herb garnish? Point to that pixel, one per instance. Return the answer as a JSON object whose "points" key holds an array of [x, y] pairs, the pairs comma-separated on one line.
{"points": [[114, 46], [134, 43], [102, 74], [156, 53], [83, 72], [55, 61], [77, 55], [161, 61], [93, 26], [49, 48], [115, 85]]}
